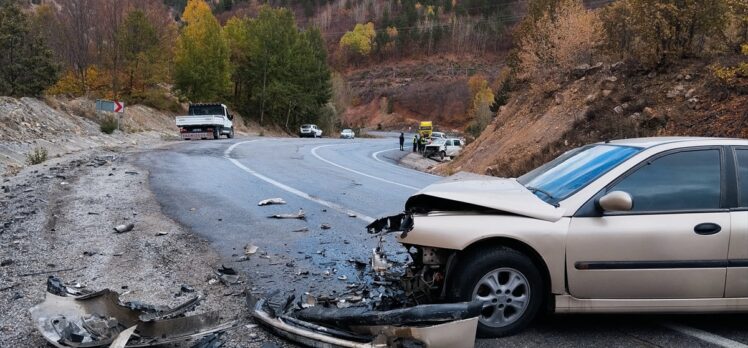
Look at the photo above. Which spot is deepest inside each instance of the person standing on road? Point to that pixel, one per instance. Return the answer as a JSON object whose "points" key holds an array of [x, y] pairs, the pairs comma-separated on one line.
{"points": [[415, 142], [422, 144], [402, 141]]}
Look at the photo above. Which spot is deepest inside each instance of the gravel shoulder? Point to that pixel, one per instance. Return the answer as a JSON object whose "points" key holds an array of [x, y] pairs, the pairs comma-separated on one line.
{"points": [[57, 218]]}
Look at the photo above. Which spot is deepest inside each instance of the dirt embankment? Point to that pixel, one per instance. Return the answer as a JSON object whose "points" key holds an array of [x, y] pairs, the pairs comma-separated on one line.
{"points": [[610, 101], [67, 126], [64, 126], [400, 94]]}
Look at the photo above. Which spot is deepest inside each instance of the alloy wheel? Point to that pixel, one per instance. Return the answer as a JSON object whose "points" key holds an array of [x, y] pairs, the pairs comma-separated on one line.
{"points": [[506, 293]]}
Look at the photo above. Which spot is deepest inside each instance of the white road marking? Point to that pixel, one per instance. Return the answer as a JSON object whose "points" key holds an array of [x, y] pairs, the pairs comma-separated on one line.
{"points": [[314, 153], [705, 336], [376, 157], [284, 187]]}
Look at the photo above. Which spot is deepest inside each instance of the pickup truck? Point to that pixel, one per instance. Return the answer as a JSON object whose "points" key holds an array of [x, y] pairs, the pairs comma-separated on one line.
{"points": [[204, 121]]}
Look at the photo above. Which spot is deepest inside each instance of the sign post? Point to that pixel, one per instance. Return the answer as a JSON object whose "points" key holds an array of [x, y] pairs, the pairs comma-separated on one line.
{"points": [[114, 106]]}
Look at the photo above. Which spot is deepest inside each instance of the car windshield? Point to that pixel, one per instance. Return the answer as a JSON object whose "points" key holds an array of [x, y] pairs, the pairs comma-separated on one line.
{"points": [[438, 141], [347, 131], [575, 169], [306, 126]]}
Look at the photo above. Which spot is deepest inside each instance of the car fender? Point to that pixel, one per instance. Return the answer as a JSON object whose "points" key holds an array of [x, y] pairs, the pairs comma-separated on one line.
{"points": [[458, 231]]}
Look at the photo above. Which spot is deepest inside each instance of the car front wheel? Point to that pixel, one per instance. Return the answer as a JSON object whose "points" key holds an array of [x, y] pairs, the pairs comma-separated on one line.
{"points": [[507, 282]]}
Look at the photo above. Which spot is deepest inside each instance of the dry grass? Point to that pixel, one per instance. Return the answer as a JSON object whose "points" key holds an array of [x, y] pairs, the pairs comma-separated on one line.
{"points": [[36, 156]]}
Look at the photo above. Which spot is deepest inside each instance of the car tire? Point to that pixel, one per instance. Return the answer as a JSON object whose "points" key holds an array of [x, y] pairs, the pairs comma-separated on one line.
{"points": [[216, 133], [506, 278], [231, 133], [442, 154]]}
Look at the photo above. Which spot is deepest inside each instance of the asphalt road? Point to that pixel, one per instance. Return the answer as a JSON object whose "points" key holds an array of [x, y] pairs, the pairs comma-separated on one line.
{"points": [[213, 187]]}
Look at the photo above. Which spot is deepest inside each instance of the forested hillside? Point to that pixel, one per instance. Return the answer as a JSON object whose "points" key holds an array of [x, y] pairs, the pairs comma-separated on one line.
{"points": [[334, 62], [372, 63]]}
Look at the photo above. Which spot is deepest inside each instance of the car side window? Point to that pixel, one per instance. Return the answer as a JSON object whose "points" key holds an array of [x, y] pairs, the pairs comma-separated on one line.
{"points": [[457, 143], [687, 180], [742, 157], [448, 143]]}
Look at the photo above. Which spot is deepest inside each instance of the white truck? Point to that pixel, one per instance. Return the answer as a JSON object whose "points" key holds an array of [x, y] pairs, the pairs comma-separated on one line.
{"points": [[205, 121]]}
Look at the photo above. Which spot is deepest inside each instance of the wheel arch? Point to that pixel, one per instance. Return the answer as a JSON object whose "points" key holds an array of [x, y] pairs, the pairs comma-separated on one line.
{"points": [[517, 245]]}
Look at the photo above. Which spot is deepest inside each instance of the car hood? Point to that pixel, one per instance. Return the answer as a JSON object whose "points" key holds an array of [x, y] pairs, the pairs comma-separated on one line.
{"points": [[501, 194]]}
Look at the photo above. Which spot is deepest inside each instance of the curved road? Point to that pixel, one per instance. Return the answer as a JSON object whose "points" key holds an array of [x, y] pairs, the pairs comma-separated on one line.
{"points": [[213, 187]]}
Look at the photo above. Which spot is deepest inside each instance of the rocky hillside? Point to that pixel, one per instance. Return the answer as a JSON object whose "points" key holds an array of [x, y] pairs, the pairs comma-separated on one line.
{"points": [[399, 95], [607, 101]]}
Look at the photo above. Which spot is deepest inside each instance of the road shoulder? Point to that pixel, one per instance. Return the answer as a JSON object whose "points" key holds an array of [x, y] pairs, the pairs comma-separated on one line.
{"points": [[58, 219]]}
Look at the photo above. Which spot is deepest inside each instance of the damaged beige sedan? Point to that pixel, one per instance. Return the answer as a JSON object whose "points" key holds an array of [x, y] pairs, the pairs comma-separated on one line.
{"points": [[638, 225]]}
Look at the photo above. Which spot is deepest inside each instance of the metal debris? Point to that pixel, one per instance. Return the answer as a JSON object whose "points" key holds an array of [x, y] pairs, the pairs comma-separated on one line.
{"points": [[99, 319], [124, 228], [305, 229], [227, 275], [250, 249], [271, 201], [325, 226], [436, 326], [300, 215]]}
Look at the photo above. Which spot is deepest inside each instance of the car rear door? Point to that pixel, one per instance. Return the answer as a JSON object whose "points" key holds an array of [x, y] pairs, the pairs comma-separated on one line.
{"points": [[453, 147], [737, 260], [672, 244]]}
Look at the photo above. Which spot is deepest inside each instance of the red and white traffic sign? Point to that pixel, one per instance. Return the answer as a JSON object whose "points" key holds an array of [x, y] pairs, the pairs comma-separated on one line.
{"points": [[110, 106]]}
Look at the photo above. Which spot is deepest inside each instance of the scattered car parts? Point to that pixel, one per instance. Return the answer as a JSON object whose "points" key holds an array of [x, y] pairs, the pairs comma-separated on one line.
{"points": [[72, 318], [437, 326], [270, 201], [300, 215]]}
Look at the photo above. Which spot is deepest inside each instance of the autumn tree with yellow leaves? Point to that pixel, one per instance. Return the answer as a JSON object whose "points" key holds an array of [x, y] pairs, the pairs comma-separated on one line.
{"points": [[201, 70], [360, 40], [480, 110]]}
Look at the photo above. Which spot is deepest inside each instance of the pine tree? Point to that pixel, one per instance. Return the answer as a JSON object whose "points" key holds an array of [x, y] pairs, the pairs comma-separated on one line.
{"points": [[26, 66], [201, 70], [281, 73], [140, 47]]}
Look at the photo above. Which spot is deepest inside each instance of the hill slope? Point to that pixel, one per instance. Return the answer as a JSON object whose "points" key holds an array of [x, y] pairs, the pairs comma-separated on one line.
{"points": [[609, 103]]}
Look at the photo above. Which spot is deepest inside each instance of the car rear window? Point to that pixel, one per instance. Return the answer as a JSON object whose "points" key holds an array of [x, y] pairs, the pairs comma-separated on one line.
{"points": [[202, 110]]}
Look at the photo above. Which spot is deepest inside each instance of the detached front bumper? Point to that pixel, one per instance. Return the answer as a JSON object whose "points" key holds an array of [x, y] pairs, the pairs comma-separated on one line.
{"points": [[436, 326]]}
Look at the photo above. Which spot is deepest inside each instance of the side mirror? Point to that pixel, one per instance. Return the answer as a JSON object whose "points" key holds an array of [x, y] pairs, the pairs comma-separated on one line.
{"points": [[231, 117], [616, 201]]}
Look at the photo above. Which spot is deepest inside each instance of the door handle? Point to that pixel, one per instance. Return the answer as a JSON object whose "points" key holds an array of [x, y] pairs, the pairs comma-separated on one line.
{"points": [[707, 228]]}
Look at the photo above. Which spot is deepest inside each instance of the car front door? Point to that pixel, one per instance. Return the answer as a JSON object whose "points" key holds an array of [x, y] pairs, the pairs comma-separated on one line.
{"points": [[674, 241]]}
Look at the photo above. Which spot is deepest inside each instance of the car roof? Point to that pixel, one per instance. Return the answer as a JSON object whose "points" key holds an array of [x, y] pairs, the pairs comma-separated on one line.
{"points": [[655, 141]]}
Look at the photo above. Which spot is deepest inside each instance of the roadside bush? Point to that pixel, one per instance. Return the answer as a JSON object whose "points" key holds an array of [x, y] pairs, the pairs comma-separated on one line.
{"points": [[108, 124], [558, 42], [728, 76], [36, 156], [653, 33], [156, 99]]}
